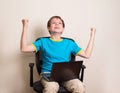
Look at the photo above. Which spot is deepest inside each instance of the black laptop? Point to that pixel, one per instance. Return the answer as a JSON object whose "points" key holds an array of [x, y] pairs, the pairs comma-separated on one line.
{"points": [[64, 71]]}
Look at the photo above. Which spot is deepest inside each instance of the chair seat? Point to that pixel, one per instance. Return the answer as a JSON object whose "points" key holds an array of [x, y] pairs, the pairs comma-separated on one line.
{"points": [[37, 86]]}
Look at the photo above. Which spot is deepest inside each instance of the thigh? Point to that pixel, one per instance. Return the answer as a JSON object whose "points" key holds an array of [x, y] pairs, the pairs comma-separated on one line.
{"points": [[75, 86], [48, 83], [49, 87]]}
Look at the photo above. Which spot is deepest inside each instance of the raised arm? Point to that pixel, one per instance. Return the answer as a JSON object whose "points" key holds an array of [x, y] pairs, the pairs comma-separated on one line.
{"points": [[87, 52], [24, 46]]}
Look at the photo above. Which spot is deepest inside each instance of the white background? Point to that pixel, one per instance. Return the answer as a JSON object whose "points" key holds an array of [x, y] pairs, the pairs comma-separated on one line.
{"points": [[102, 73]]}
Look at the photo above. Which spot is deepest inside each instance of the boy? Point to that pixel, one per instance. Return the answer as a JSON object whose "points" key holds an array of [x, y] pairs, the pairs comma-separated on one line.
{"points": [[56, 49]]}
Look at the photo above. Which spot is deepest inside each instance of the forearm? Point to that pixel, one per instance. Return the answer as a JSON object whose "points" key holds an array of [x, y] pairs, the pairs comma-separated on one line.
{"points": [[23, 43], [24, 46], [89, 48], [88, 51]]}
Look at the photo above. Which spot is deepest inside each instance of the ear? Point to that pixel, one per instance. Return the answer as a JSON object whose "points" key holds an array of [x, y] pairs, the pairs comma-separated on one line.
{"points": [[48, 28]]}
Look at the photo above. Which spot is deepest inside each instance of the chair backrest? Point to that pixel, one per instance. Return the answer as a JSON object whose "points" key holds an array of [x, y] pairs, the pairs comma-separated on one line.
{"points": [[38, 57]]}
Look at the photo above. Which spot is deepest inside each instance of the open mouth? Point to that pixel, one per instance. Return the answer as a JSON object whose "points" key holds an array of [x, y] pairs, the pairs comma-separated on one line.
{"points": [[57, 27]]}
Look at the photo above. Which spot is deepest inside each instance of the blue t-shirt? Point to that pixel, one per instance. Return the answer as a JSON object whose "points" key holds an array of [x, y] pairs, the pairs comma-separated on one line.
{"points": [[55, 51]]}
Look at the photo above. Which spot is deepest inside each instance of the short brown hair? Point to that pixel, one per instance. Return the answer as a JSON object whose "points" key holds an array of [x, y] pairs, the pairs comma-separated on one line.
{"points": [[49, 21]]}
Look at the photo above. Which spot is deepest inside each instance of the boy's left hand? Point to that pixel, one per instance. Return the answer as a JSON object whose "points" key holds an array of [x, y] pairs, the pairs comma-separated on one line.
{"points": [[93, 30]]}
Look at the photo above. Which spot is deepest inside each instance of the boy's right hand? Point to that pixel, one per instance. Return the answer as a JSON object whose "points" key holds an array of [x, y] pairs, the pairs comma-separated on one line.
{"points": [[25, 22]]}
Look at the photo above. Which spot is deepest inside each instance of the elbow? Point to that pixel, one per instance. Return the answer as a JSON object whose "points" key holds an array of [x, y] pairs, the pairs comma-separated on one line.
{"points": [[87, 57], [22, 49]]}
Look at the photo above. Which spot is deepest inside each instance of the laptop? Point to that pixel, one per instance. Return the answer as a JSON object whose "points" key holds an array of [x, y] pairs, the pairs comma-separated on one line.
{"points": [[64, 71]]}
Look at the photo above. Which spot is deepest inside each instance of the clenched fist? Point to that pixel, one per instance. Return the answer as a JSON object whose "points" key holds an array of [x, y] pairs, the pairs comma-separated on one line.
{"points": [[25, 22], [93, 30]]}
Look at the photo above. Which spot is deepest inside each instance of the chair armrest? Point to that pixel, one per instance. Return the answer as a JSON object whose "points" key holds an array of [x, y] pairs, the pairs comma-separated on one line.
{"points": [[31, 65], [82, 72], [83, 67]]}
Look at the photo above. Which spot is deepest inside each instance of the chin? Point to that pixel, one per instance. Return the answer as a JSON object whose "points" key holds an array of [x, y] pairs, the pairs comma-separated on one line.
{"points": [[55, 32]]}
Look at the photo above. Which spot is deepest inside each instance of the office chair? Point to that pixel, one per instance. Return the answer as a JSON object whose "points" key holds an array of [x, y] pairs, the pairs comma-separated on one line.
{"points": [[37, 86]]}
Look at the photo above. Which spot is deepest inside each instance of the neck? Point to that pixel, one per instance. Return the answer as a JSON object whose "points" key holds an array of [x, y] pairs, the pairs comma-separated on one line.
{"points": [[56, 37]]}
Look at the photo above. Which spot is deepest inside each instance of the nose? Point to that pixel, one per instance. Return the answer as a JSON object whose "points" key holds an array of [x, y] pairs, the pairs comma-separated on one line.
{"points": [[57, 23]]}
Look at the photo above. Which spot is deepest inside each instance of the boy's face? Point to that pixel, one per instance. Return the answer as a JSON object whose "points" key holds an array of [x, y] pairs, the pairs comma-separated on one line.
{"points": [[56, 26]]}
